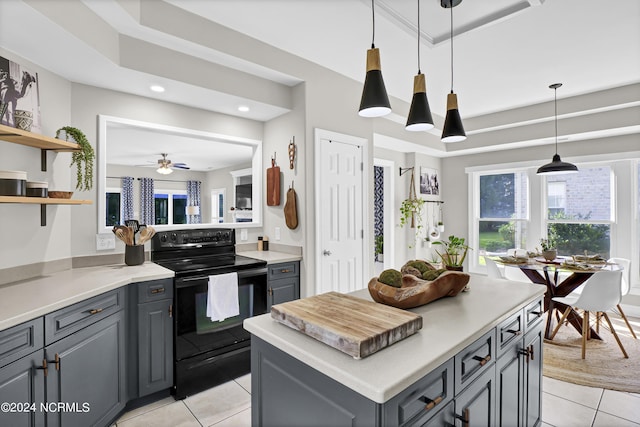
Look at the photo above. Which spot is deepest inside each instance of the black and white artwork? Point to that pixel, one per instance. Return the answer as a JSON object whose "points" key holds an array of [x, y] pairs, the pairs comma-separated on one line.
{"points": [[19, 96], [429, 182]]}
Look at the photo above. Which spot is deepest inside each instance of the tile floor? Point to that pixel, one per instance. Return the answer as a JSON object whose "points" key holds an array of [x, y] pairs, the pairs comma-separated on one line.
{"points": [[229, 405]]}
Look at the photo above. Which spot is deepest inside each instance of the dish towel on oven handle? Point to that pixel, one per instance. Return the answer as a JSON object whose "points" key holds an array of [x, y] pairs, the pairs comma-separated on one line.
{"points": [[222, 298]]}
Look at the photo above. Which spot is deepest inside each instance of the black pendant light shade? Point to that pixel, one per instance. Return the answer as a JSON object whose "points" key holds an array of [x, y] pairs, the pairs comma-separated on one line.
{"points": [[419, 118], [374, 102], [453, 131], [557, 166]]}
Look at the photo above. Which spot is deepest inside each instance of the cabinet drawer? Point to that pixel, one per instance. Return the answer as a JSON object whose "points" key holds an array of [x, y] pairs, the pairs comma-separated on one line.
{"points": [[533, 314], [155, 290], [283, 270], [474, 360], [66, 321], [422, 399], [20, 340], [509, 332]]}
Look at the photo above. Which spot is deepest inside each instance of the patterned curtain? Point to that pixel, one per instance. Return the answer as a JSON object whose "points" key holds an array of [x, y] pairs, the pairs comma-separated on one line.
{"points": [[193, 199], [379, 200], [127, 198], [147, 202]]}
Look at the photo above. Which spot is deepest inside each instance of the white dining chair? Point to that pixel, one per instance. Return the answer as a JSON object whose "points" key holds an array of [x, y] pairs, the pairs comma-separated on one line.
{"points": [[625, 286], [597, 297], [493, 271]]}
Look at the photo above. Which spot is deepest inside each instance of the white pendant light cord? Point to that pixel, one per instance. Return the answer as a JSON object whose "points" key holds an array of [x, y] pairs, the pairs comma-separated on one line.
{"points": [[451, 4], [373, 24]]}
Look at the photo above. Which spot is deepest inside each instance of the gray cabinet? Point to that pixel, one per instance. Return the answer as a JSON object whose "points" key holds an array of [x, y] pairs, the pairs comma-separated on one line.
{"points": [[519, 371], [22, 383], [151, 337], [283, 283], [87, 373]]}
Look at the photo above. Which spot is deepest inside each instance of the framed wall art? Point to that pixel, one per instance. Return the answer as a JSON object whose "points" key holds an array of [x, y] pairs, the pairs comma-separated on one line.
{"points": [[19, 96], [429, 182]]}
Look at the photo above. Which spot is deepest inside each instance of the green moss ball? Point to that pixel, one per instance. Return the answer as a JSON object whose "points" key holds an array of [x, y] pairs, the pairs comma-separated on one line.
{"points": [[432, 274], [391, 277]]}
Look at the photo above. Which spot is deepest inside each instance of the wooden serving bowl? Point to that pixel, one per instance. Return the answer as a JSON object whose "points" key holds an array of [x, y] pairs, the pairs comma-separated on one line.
{"points": [[60, 194], [416, 292]]}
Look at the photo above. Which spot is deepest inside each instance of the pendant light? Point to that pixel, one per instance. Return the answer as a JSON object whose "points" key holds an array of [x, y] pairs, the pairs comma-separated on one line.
{"points": [[374, 102], [557, 166], [419, 118], [452, 131]]}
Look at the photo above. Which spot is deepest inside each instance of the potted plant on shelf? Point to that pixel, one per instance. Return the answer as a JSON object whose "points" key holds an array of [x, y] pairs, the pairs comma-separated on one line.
{"points": [[83, 158], [454, 254], [549, 250], [379, 247]]}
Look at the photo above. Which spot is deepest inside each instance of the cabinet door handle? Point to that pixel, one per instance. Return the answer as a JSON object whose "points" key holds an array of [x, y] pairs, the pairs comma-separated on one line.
{"points": [[464, 417], [531, 348], [56, 360], [170, 310], [483, 360], [157, 290], [430, 404], [44, 367], [514, 332], [527, 352], [270, 291], [95, 311]]}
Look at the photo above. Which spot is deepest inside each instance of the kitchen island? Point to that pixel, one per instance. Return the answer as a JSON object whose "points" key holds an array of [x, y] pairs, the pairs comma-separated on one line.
{"points": [[465, 362]]}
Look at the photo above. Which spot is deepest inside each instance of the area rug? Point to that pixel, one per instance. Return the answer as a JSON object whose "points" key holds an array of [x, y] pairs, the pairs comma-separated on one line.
{"points": [[604, 365]]}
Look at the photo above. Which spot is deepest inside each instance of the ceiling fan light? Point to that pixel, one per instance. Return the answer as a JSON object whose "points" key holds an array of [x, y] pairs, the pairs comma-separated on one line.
{"points": [[453, 131], [557, 167], [419, 118], [374, 101], [164, 170]]}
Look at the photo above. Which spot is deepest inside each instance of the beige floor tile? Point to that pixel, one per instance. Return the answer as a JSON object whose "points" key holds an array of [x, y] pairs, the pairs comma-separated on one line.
{"points": [[605, 420], [218, 403], [175, 414], [588, 396], [146, 408], [564, 413], [242, 419], [623, 405], [245, 382]]}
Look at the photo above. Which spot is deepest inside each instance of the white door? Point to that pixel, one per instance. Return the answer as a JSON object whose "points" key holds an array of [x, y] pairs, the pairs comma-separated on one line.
{"points": [[340, 216]]}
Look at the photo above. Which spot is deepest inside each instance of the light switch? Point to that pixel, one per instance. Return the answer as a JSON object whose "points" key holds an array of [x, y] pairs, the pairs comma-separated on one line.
{"points": [[244, 234], [277, 233]]}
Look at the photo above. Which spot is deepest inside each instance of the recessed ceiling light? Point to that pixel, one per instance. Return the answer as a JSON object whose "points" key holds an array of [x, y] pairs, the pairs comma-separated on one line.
{"points": [[157, 88], [243, 108]]}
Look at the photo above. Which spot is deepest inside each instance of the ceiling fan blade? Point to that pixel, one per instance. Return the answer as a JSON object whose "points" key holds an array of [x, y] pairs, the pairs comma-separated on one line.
{"points": [[180, 166]]}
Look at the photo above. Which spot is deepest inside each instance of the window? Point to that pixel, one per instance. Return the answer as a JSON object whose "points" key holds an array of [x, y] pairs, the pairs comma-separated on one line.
{"points": [[584, 223], [503, 212], [114, 207], [170, 207], [217, 205]]}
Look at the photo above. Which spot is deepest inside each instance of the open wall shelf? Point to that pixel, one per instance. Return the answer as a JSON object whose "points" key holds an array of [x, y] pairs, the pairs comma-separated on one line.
{"points": [[43, 202]]}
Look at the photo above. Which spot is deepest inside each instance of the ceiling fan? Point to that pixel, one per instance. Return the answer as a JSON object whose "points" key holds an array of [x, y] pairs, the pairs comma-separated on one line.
{"points": [[166, 166]]}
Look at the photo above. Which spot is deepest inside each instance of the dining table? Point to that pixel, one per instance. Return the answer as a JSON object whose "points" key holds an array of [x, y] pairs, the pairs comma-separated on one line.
{"points": [[561, 276]]}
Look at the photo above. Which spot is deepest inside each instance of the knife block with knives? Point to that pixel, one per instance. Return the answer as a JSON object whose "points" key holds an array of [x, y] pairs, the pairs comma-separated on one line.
{"points": [[273, 184]]}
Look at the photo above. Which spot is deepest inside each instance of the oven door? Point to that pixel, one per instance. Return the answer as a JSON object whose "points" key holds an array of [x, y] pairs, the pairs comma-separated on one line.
{"points": [[196, 333]]}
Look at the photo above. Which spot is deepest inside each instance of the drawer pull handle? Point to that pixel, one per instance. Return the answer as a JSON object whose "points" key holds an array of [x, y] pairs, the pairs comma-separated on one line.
{"points": [[430, 404], [157, 290], [285, 271], [464, 417], [483, 360], [514, 332], [95, 311], [537, 313]]}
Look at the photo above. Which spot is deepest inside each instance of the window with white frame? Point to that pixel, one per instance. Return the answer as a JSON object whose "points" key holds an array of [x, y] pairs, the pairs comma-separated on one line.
{"points": [[170, 206], [556, 197], [584, 224], [217, 205], [502, 212]]}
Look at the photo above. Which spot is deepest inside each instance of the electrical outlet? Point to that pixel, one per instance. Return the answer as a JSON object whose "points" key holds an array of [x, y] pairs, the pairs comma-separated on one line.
{"points": [[104, 242], [277, 233], [244, 234]]}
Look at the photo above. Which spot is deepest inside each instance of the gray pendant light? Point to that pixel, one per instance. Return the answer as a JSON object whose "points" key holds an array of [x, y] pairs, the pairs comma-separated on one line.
{"points": [[419, 118], [452, 131], [374, 101], [557, 166]]}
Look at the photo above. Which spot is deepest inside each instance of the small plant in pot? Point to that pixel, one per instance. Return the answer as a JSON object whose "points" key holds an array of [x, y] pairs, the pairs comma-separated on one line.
{"points": [[379, 248], [83, 158], [454, 254], [549, 251]]}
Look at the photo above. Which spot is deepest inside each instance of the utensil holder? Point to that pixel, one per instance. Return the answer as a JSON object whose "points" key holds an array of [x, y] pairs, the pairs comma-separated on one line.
{"points": [[134, 255]]}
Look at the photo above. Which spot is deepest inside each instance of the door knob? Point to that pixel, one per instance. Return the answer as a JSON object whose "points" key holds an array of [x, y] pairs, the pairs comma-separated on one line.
{"points": [[326, 252]]}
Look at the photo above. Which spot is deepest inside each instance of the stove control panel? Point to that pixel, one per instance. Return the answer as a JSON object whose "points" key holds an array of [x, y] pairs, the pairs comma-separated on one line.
{"points": [[188, 238]]}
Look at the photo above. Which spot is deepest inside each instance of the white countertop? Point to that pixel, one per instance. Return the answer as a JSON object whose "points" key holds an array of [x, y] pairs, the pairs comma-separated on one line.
{"points": [[449, 325], [28, 299], [271, 257]]}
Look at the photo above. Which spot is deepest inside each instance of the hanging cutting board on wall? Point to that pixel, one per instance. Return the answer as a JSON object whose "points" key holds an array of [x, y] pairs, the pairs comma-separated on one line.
{"points": [[273, 184]]}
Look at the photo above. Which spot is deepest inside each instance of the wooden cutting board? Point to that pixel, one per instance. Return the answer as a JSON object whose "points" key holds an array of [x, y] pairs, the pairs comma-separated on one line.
{"points": [[352, 325]]}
